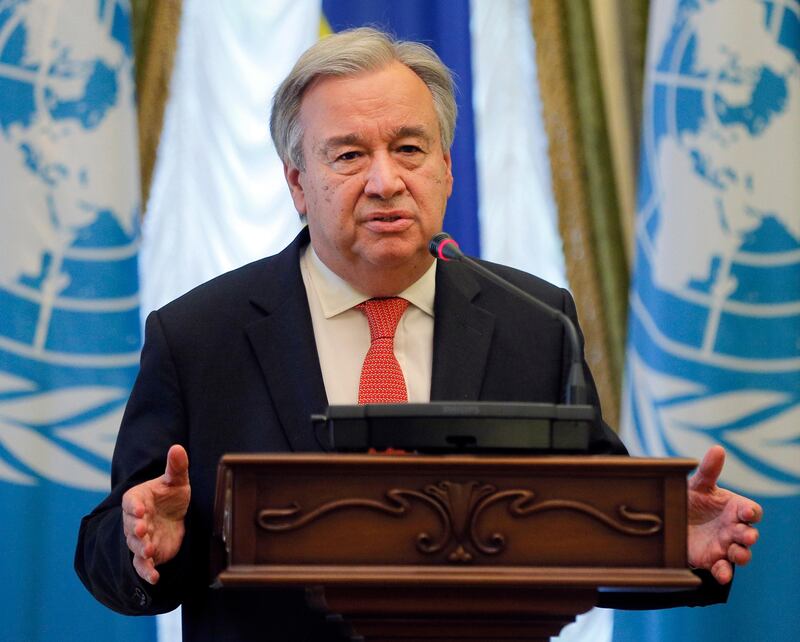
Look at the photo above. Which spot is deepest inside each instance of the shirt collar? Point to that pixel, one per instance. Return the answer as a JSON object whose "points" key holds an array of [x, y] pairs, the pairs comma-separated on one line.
{"points": [[336, 295]]}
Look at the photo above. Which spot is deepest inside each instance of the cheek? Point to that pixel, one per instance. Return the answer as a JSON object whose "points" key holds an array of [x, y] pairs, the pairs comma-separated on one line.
{"points": [[333, 199], [327, 193], [435, 190], [335, 204], [322, 203], [344, 196]]}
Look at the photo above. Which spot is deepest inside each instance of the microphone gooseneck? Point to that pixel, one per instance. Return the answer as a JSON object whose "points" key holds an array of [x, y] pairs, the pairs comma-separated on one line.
{"points": [[443, 246]]}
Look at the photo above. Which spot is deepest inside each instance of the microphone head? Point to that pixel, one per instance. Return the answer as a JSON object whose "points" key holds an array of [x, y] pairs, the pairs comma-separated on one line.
{"points": [[443, 246]]}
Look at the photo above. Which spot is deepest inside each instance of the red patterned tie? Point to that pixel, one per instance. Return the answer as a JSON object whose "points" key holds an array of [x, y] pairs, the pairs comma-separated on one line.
{"points": [[381, 376]]}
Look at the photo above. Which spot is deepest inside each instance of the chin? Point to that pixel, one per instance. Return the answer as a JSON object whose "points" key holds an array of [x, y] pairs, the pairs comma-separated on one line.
{"points": [[395, 251], [391, 260]]}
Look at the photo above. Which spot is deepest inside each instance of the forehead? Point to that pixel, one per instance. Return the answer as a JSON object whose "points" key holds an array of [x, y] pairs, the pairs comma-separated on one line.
{"points": [[391, 98]]}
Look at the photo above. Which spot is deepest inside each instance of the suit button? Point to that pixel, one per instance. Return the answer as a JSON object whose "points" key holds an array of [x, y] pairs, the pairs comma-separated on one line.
{"points": [[141, 598]]}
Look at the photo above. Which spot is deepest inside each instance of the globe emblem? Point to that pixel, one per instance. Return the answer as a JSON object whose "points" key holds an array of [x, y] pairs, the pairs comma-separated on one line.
{"points": [[69, 317], [715, 306]]}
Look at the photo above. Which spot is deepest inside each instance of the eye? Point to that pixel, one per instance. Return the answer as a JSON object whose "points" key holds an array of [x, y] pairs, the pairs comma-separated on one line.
{"points": [[348, 156], [409, 149]]}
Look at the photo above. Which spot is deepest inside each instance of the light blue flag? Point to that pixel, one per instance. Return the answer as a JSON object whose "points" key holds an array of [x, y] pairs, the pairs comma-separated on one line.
{"points": [[69, 327], [714, 354]]}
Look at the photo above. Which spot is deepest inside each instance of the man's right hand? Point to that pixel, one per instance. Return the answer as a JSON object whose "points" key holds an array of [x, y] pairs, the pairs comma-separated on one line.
{"points": [[153, 515]]}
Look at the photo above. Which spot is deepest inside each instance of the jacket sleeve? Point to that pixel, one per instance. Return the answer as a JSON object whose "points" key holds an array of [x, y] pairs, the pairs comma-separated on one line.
{"points": [[709, 592], [153, 421]]}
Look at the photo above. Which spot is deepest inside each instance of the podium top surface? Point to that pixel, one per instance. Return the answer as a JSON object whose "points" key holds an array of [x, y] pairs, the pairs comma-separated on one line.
{"points": [[572, 463]]}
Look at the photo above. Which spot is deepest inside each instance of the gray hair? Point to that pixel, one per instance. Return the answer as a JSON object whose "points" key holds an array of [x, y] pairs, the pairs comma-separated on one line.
{"points": [[348, 53]]}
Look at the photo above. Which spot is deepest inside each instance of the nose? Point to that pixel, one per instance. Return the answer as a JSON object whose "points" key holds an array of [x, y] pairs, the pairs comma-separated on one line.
{"points": [[383, 177]]}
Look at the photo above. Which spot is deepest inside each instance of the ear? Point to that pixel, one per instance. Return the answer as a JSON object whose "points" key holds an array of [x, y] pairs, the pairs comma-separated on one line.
{"points": [[448, 161], [293, 180]]}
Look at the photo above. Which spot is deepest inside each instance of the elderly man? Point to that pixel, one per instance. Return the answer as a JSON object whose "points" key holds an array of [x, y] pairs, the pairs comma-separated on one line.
{"points": [[364, 126]]}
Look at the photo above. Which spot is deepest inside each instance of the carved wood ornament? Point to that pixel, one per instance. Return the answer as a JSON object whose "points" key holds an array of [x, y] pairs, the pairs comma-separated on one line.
{"points": [[458, 506]]}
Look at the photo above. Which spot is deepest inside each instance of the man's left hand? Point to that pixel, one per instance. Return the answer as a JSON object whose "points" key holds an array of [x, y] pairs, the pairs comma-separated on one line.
{"points": [[720, 531]]}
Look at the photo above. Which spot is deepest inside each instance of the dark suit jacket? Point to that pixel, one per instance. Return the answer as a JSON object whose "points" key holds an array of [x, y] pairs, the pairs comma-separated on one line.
{"points": [[232, 366]]}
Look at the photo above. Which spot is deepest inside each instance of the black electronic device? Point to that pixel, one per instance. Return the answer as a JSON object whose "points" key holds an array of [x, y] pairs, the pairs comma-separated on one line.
{"points": [[458, 427]]}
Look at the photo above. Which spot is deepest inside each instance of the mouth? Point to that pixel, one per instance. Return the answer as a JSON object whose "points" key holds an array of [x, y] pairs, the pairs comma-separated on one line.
{"points": [[387, 215], [388, 222]]}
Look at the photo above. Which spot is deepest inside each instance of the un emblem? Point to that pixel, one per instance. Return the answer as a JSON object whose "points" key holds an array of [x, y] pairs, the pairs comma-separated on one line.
{"points": [[69, 317], [715, 306]]}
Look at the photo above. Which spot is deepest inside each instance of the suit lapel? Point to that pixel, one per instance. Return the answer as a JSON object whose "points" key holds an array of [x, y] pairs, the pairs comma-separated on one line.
{"points": [[462, 336], [283, 342]]}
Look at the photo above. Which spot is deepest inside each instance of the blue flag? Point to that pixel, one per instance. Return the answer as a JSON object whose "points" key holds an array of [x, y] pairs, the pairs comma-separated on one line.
{"points": [[443, 26], [714, 353], [69, 312]]}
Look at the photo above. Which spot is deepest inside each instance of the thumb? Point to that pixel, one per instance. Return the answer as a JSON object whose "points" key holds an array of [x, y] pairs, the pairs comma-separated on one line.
{"points": [[177, 471], [709, 470]]}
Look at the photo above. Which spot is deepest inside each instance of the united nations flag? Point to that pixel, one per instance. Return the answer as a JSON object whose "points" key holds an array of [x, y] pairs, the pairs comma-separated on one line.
{"points": [[69, 313], [714, 353]]}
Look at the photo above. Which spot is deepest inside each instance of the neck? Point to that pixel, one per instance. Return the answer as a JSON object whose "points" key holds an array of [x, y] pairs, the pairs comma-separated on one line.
{"points": [[384, 281], [389, 282]]}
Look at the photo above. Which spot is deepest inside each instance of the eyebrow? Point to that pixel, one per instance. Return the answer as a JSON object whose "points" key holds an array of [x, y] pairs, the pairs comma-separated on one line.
{"points": [[412, 132], [353, 139], [337, 141]]}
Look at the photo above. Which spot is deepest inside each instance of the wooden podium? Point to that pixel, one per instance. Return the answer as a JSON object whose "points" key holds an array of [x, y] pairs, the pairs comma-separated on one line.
{"points": [[452, 547]]}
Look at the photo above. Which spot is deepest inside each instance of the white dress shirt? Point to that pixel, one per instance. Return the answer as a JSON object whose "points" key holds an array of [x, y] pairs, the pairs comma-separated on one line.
{"points": [[342, 333]]}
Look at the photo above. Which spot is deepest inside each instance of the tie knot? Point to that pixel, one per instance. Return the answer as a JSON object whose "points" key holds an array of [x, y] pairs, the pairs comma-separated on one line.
{"points": [[383, 315]]}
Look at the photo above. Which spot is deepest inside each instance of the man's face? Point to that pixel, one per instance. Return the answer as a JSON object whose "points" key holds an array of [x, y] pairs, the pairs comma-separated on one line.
{"points": [[376, 180]]}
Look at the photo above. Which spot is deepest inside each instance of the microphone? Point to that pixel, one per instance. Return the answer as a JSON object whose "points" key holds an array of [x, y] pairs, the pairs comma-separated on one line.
{"points": [[442, 246]]}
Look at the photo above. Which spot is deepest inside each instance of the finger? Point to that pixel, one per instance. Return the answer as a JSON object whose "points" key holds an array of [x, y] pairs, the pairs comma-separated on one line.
{"points": [[146, 569], [136, 526], [709, 470], [745, 535], [131, 524], [132, 503], [750, 512], [739, 555], [139, 541], [140, 547], [722, 571], [177, 471], [141, 528], [739, 533]]}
